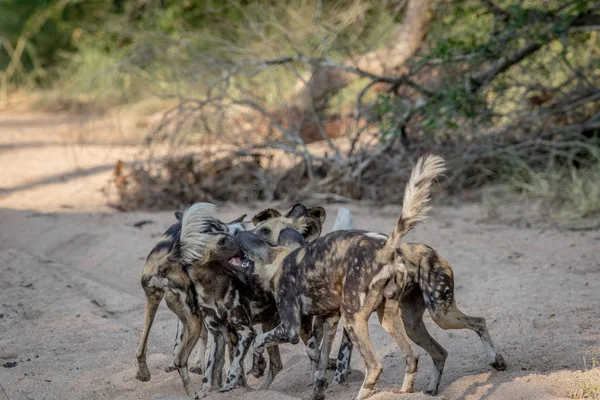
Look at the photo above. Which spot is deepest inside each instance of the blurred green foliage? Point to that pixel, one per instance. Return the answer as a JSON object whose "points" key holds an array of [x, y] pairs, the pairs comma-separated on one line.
{"points": [[112, 52]]}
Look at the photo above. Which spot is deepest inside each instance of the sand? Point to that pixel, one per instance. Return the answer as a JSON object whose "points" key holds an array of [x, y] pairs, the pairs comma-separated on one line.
{"points": [[71, 304]]}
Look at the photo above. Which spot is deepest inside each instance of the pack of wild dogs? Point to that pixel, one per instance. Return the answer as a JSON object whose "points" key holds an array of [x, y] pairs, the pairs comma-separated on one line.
{"points": [[221, 279]]}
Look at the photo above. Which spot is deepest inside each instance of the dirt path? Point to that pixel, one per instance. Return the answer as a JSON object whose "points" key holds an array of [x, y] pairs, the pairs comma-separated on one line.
{"points": [[71, 306]]}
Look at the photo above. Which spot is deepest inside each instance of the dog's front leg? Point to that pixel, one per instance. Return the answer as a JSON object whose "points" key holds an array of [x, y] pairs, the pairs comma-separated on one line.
{"points": [[342, 367], [178, 338], [214, 367], [283, 333], [313, 342], [191, 333], [198, 363], [329, 327], [246, 335], [275, 365]]}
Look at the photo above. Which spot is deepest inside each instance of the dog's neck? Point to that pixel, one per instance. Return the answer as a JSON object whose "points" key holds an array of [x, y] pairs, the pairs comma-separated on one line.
{"points": [[268, 274]]}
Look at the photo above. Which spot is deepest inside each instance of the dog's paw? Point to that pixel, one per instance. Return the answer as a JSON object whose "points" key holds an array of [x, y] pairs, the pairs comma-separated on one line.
{"points": [[143, 374], [259, 365], [339, 379], [499, 364], [170, 368], [318, 396], [196, 369], [364, 393], [401, 390], [332, 364]]}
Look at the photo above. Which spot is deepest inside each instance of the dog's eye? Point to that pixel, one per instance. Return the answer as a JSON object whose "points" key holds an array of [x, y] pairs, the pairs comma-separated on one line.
{"points": [[221, 241], [264, 231]]}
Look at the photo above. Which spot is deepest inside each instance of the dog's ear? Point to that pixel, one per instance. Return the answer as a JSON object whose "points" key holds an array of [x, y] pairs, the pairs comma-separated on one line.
{"points": [[179, 215], [239, 220], [289, 237], [296, 211], [265, 215], [311, 228], [318, 212]]}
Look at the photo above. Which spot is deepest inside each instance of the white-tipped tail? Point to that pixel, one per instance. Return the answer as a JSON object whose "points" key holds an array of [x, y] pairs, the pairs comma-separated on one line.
{"points": [[194, 222], [416, 196], [344, 220]]}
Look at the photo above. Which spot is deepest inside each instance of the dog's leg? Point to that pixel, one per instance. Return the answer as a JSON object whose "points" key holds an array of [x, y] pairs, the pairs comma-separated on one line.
{"points": [[307, 328], [283, 333], [329, 327], [259, 365], [288, 331], [455, 319], [191, 333], [198, 363], [437, 283], [178, 339], [358, 329], [275, 365], [412, 316], [391, 321], [214, 366], [314, 341], [246, 335], [229, 353], [152, 302], [342, 367], [356, 310]]}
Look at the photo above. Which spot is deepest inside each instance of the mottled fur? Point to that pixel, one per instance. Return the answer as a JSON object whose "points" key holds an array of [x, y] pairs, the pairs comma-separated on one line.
{"points": [[350, 271], [193, 288], [213, 225], [269, 225]]}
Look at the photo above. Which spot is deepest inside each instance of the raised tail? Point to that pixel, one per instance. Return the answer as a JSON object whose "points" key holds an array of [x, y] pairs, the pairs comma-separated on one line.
{"points": [[344, 220], [416, 196], [195, 222]]}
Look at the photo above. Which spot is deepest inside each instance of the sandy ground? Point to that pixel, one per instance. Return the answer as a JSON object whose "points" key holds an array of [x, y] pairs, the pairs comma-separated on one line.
{"points": [[71, 305]]}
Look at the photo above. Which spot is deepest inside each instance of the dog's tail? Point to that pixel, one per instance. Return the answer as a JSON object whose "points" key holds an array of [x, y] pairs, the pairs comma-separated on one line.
{"points": [[344, 220], [416, 197], [195, 222]]}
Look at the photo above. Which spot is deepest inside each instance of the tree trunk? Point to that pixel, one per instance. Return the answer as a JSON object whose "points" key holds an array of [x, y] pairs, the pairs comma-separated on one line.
{"points": [[407, 38]]}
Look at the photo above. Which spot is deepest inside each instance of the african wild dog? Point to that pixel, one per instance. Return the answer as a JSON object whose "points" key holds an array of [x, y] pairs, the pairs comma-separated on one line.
{"points": [[197, 366], [268, 225], [349, 272], [165, 256]]}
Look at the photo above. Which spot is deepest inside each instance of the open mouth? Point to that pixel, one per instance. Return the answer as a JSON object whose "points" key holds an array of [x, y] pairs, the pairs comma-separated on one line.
{"points": [[240, 262]]}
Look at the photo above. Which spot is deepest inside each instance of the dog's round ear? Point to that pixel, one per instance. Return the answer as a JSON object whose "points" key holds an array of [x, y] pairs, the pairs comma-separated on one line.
{"points": [[296, 211], [311, 228], [290, 237], [179, 215], [265, 215], [239, 220], [319, 213]]}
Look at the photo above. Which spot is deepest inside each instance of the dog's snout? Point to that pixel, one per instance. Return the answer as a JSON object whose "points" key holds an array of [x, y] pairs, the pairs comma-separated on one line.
{"points": [[248, 240]]}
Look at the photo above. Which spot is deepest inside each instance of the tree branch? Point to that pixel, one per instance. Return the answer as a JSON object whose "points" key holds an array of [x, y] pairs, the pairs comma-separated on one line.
{"points": [[484, 78]]}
